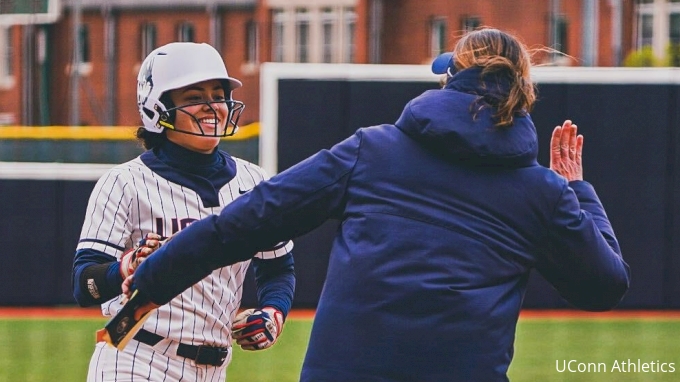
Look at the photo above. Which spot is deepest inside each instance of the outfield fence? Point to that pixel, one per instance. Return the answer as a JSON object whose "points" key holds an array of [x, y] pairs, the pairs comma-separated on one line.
{"points": [[630, 119]]}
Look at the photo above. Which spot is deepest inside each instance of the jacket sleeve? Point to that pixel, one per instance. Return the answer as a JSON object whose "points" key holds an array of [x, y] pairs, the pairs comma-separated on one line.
{"points": [[284, 207], [584, 261]]}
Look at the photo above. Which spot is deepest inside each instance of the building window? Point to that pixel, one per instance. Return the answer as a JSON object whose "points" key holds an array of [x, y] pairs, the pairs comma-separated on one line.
{"points": [[645, 30], [674, 37], [657, 24], [674, 22], [84, 58], [148, 39], [561, 34], [349, 31], [470, 23], [84, 47], [301, 35], [7, 79], [278, 29], [252, 42], [328, 26], [437, 36], [6, 37], [293, 27], [185, 32], [674, 28]]}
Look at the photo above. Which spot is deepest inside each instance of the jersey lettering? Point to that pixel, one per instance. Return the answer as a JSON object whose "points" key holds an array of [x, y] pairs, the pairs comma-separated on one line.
{"points": [[175, 224]]}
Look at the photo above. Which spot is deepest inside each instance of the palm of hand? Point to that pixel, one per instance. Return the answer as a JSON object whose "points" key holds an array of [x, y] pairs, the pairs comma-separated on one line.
{"points": [[566, 149]]}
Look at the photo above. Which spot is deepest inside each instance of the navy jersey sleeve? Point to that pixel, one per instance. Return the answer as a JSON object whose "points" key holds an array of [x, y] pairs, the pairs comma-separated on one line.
{"points": [[275, 281], [584, 262], [286, 206], [95, 277]]}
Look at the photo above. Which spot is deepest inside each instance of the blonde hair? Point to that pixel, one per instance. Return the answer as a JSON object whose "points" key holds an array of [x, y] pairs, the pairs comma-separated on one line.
{"points": [[501, 53]]}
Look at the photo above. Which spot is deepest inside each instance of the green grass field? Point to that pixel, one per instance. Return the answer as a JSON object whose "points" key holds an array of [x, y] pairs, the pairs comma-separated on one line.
{"points": [[40, 350]]}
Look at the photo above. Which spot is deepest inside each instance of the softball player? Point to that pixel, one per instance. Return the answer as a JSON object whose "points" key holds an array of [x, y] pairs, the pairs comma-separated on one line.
{"points": [[185, 103]]}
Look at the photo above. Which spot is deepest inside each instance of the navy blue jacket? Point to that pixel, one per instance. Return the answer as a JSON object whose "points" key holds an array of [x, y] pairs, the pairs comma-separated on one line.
{"points": [[443, 217]]}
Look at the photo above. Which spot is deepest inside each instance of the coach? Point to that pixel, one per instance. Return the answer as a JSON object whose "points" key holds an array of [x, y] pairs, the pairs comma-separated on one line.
{"points": [[444, 214]]}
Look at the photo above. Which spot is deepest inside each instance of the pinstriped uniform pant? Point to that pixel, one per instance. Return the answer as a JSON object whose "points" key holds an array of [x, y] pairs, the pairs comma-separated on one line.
{"points": [[140, 362]]}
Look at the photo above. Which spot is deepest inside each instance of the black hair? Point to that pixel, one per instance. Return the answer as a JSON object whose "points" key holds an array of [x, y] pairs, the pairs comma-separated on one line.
{"points": [[150, 140]]}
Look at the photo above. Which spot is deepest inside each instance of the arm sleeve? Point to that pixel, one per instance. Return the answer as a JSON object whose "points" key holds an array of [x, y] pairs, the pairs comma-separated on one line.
{"points": [[286, 206], [104, 236], [275, 280], [584, 262], [95, 277]]}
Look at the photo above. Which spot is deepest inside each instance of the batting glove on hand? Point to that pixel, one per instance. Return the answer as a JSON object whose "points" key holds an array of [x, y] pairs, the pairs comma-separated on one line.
{"points": [[134, 256], [257, 329]]}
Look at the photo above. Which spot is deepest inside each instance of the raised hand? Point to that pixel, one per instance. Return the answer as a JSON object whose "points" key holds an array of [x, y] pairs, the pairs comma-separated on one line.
{"points": [[566, 151]]}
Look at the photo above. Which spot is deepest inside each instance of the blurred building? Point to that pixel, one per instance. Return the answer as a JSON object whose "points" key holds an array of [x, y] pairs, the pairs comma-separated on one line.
{"points": [[74, 62]]}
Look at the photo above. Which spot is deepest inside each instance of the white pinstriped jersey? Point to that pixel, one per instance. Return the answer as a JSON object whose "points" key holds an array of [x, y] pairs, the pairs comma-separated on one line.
{"points": [[131, 200]]}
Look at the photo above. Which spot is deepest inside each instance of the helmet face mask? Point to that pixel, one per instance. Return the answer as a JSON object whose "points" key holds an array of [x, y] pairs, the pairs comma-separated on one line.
{"points": [[175, 66], [231, 127]]}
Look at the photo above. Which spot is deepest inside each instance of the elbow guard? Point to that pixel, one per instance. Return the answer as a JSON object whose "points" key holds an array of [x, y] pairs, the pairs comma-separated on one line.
{"points": [[94, 285]]}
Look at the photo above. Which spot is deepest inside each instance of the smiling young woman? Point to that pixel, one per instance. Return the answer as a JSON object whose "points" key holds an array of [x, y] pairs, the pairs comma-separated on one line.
{"points": [[184, 96], [204, 115]]}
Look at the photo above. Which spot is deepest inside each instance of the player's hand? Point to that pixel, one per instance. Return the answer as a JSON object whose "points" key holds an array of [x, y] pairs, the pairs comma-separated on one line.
{"points": [[257, 329], [566, 148], [134, 256], [128, 287]]}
